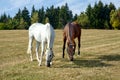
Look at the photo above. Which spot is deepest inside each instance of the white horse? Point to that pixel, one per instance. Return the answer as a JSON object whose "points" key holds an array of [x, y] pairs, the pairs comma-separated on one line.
{"points": [[42, 34]]}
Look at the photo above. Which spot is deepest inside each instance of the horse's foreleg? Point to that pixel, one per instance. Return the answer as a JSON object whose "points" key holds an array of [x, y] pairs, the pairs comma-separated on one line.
{"points": [[64, 42], [37, 50], [42, 53], [29, 51], [78, 45], [74, 47]]}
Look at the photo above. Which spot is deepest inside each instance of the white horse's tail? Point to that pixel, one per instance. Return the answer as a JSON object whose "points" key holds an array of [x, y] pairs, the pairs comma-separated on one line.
{"points": [[29, 50]]}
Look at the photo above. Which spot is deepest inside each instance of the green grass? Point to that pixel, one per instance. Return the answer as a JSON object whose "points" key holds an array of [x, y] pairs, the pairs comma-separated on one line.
{"points": [[99, 59]]}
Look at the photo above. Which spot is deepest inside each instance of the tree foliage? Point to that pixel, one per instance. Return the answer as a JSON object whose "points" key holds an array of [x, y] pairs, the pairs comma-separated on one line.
{"points": [[83, 20], [58, 17], [99, 15], [41, 15], [115, 18], [34, 17], [26, 17]]}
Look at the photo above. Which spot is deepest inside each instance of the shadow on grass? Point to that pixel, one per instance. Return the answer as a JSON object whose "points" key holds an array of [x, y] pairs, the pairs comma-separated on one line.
{"points": [[115, 57], [90, 63], [84, 63]]}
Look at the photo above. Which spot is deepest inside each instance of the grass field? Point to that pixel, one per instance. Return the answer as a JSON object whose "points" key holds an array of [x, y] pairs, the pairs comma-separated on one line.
{"points": [[99, 59]]}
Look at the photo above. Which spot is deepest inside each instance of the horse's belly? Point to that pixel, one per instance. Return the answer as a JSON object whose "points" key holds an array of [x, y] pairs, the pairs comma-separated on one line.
{"points": [[40, 37], [37, 38]]}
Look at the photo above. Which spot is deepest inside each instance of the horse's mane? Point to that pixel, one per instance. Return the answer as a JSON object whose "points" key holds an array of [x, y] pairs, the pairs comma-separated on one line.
{"points": [[69, 31]]}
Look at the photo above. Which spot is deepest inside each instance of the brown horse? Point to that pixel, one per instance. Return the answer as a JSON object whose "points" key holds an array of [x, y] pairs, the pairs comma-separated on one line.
{"points": [[70, 32]]}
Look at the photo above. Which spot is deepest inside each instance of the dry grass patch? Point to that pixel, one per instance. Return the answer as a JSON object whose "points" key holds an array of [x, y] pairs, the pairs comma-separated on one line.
{"points": [[99, 59]]}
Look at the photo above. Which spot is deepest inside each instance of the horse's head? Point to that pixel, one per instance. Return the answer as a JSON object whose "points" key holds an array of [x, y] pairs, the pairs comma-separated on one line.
{"points": [[71, 50], [49, 57]]}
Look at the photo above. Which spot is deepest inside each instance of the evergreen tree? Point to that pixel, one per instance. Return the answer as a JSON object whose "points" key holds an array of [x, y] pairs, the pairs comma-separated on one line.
{"points": [[4, 18], [41, 15], [26, 17], [33, 10], [16, 19], [89, 12], [99, 15], [56, 18], [18, 15], [106, 17], [50, 13], [112, 6], [75, 17], [65, 14], [69, 14]]}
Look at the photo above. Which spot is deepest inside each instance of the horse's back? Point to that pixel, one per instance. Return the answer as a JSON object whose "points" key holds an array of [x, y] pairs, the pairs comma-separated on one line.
{"points": [[41, 31], [73, 28], [76, 28], [36, 26]]}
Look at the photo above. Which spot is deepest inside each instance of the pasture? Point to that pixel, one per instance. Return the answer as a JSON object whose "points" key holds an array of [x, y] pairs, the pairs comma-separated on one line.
{"points": [[99, 59]]}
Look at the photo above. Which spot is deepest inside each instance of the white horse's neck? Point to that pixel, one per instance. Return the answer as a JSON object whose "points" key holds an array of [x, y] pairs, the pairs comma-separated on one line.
{"points": [[50, 36]]}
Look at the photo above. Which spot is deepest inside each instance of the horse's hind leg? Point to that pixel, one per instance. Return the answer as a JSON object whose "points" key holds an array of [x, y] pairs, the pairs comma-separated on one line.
{"points": [[37, 50], [29, 51], [64, 42]]}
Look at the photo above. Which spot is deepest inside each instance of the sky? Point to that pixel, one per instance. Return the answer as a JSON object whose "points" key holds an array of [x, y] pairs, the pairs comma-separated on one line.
{"points": [[77, 6]]}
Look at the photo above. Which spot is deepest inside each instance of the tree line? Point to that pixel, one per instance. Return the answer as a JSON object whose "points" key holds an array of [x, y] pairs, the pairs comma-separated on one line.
{"points": [[100, 16], [58, 17]]}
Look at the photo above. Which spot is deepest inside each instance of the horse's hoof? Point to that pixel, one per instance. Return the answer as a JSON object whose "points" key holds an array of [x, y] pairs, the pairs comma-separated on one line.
{"points": [[48, 65], [39, 64], [78, 53], [71, 59], [63, 56]]}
